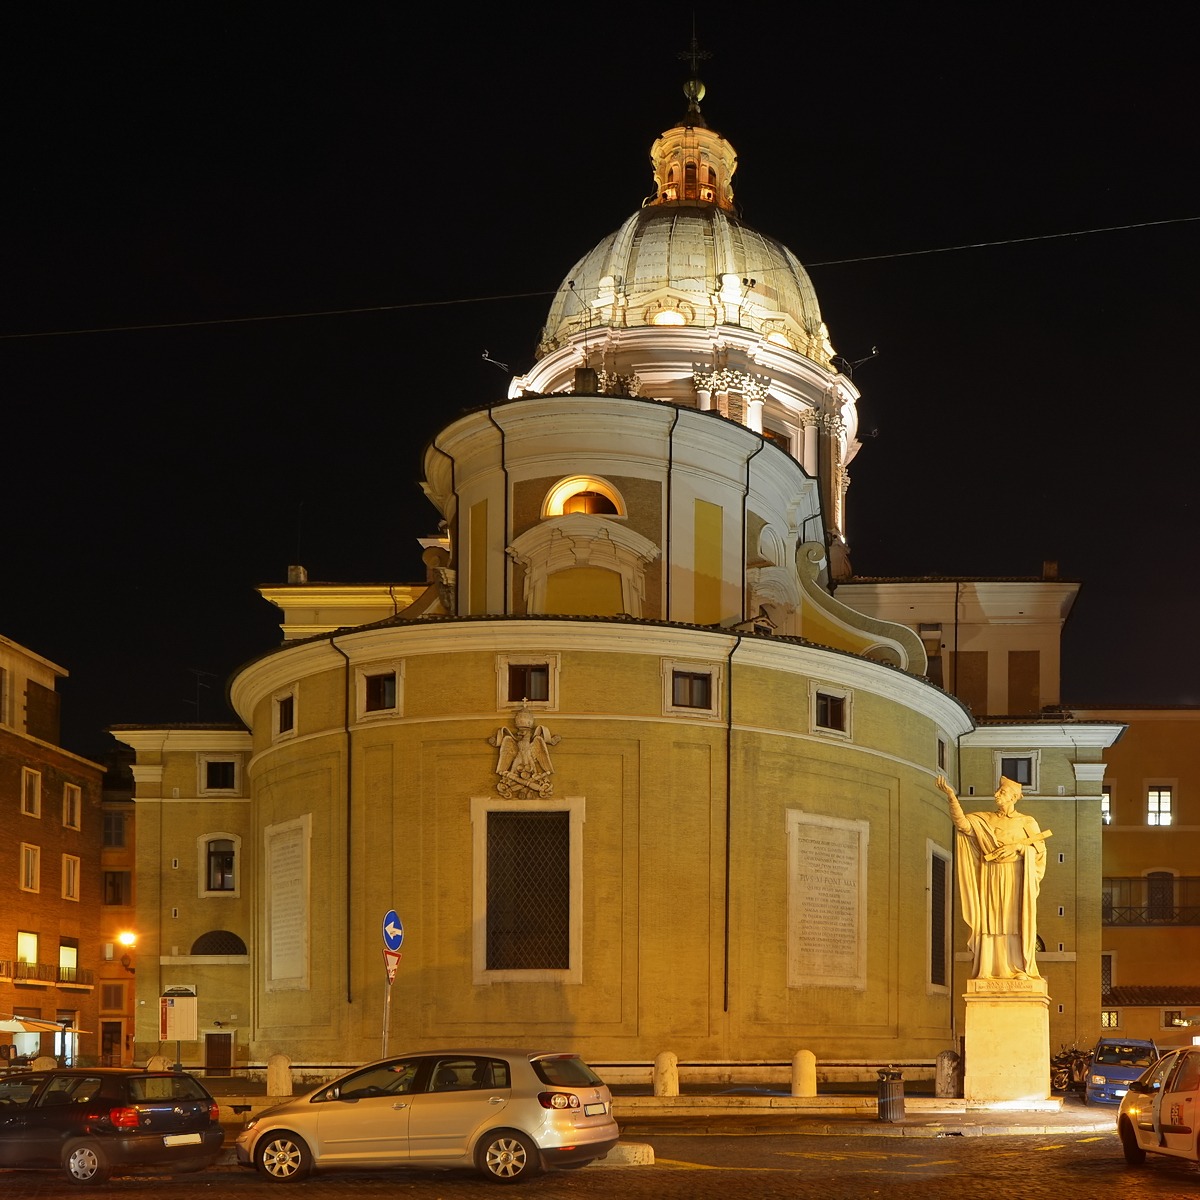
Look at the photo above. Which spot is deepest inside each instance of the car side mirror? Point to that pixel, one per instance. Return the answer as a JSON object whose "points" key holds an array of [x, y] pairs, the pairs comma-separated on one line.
{"points": [[1143, 1089], [330, 1094]]}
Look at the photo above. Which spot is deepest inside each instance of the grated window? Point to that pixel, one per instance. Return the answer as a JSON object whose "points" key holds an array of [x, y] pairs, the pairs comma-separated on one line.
{"points": [[528, 891], [937, 921]]}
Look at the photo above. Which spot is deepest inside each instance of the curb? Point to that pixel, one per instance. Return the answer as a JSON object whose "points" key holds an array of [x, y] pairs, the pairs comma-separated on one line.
{"points": [[881, 1129], [627, 1154]]}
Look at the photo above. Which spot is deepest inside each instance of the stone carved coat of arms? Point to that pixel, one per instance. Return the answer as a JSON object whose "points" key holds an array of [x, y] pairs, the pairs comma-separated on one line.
{"points": [[524, 764]]}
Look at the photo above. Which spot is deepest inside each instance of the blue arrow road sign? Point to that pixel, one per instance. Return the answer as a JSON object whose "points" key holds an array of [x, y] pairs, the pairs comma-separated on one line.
{"points": [[393, 931]]}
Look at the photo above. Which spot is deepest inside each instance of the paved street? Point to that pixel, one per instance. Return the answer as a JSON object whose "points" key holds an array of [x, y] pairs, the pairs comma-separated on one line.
{"points": [[1054, 1168]]}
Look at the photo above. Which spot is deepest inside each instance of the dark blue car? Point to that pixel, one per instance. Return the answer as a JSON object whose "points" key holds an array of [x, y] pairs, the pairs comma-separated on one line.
{"points": [[1115, 1063]]}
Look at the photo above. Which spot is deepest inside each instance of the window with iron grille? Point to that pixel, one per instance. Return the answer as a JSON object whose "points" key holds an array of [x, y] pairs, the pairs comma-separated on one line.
{"points": [[1158, 806], [528, 681], [937, 920], [1173, 1017], [1160, 896], [1110, 1018], [1106, 974], [528, 891]]}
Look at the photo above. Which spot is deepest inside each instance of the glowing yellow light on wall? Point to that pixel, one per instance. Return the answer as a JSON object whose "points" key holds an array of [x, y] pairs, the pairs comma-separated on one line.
{"points": [[556, 503], [127, 939], [668, 316], [779, 339]]}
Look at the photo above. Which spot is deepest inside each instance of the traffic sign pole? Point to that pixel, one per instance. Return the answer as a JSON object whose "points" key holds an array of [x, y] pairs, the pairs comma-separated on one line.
{"points": [[393, 938]]}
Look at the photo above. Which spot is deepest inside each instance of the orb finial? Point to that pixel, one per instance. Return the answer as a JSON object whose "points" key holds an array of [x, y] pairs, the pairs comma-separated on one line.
{"points": [[693, 89]]}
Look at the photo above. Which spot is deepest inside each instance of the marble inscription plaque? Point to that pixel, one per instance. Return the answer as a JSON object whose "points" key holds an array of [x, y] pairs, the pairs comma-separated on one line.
{"points": [[827, 901], [287, 904]]}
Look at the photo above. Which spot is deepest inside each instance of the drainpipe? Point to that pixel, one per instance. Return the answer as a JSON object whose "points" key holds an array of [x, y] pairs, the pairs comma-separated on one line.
{"points": [[728, 796], [349, 819], [670, 469], [504, 468]]}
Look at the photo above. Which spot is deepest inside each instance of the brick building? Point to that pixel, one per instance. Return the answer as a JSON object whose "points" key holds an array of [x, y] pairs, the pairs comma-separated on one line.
{"points": [[50, 885]]}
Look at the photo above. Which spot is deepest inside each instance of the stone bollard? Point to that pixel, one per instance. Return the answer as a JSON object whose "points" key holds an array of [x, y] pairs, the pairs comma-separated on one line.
{"points": [[666, 1074], [279, 1075], [158, 1062], [44, 1063], [804, 1074], [947, 1085]]}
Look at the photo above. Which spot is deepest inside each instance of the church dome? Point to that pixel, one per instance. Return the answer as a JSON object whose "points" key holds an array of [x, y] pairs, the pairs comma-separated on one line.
{"points": [[687, 259]]}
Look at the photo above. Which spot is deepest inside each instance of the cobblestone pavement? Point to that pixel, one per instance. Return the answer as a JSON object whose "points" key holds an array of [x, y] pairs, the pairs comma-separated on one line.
{"points": [[728, 1168]]}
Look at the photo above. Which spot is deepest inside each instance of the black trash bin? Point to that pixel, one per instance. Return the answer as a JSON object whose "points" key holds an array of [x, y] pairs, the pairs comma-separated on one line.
{"points": [[891, 1094]]}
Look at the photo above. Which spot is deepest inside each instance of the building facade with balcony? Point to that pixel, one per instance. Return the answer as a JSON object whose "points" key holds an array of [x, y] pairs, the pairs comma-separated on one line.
{"points": [[49, 866]]}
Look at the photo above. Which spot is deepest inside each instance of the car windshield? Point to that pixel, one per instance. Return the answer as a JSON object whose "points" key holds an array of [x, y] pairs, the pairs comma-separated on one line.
{"points": [[1124, 1056], [165, 1087], [566, 1070]]}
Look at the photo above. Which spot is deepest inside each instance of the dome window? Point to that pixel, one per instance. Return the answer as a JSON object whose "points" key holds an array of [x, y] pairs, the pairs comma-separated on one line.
{"points": [[583, 494], [689, 181], [668, 316]]}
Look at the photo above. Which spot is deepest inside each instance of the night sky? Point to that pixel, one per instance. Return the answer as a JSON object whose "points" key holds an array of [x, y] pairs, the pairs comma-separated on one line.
{"points": [[178, 163]]}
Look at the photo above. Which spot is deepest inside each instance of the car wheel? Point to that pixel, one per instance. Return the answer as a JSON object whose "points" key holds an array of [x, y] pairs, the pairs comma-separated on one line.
{"points": [[505, 1156], [86, 1163], [1135, 1156], [283, 1157]]}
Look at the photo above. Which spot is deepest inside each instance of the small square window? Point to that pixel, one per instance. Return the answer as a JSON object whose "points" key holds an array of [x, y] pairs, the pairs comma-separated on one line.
{"points": [[285, 714], [831, 711], [114, 830], [691, 689], [1158, 806], [112, 997], [72, 805], [380, 692], [220, 775], [1110, 1018], [31, 792], [528, 681], [1019, 770]]}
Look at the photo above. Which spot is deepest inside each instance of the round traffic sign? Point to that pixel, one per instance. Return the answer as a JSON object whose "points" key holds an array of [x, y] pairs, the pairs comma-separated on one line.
{"points": [[393, 931]]}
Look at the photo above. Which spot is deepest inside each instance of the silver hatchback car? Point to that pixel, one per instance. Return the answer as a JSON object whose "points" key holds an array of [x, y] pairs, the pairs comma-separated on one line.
{"points": [[510, 1113]]}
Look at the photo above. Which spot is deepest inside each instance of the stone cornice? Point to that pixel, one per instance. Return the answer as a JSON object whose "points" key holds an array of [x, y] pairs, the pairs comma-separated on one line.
{"points": [[1040, 736]]}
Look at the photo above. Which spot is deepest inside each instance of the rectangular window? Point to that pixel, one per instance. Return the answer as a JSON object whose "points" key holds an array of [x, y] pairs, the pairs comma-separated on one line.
{"points": [[938, 908], [27, 947], [1019, 770], [112, 997], [1106, 803], [528, 891], [114, 829], [1106, 974], [4, 697], [1172, 1018], [1158, 806], [285, 714], [31, 792], [1110, 1018], [31, 868], [380, 692], [118, 887], [220, 775], [72, 805], [70, 877], [528, 681], [220, 865], [691, 689], [941, 755], [831, 711]]}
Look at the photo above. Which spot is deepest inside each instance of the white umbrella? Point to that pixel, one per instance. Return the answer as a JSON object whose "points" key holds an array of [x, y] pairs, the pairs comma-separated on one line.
{"points": [[34, 1025]]}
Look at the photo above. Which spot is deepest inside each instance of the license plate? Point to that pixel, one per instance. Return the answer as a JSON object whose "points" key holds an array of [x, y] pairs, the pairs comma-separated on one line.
{"points": [[1120, 1091], [595, 1110], [182, 1139]]}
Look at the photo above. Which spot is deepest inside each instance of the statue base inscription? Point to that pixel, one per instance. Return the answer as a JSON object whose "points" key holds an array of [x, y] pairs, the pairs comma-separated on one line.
{"points": [[1007, 1040]]}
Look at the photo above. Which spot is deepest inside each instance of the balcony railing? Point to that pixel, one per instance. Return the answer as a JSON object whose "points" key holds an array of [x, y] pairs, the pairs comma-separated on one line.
{"points": [[79, 975], [49, 973], [1151, 900], [41, 972]]}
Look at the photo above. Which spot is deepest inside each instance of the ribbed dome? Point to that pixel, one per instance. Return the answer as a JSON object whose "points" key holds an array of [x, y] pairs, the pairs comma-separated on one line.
{"points": [[688, 263]]}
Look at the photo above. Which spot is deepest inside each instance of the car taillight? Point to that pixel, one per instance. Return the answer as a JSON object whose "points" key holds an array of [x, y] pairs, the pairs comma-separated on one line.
{"points": [[123, 1118], [558, 1100], [214, 1111]]}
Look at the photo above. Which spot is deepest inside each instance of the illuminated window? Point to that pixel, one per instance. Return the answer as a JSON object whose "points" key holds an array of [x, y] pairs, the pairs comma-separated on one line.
{"points": [[72, 805], [70, 877], [1106, 803], [27, 947], [668, 316], [1158, 806], [1172, 1018], [31, 792], [1110, 1018], [31, 868], [595, 495]]}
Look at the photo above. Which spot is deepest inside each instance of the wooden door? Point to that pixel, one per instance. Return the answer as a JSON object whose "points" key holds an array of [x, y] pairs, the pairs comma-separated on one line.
{"points": [[218, 1053]]}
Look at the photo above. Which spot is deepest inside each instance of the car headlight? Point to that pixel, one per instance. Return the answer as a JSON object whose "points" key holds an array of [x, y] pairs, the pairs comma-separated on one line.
{"points": [[1099, 1079], [249, 1125]]}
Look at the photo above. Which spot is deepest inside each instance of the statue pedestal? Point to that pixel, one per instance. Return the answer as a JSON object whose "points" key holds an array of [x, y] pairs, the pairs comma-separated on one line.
{"points": [[1007, 1040]]}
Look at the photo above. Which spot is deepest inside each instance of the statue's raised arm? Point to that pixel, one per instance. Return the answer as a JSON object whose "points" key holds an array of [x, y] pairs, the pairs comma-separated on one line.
{"points": [[956, 813]]}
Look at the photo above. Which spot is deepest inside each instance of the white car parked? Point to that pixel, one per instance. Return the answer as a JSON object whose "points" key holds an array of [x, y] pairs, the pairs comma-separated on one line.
{"points": [[1161, 1111], [509, 1113]]}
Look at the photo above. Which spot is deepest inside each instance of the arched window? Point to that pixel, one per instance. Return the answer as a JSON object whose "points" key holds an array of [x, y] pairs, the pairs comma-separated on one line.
{"points": [[689, 181], [219, 941], [583, 494], [218, 868]]}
